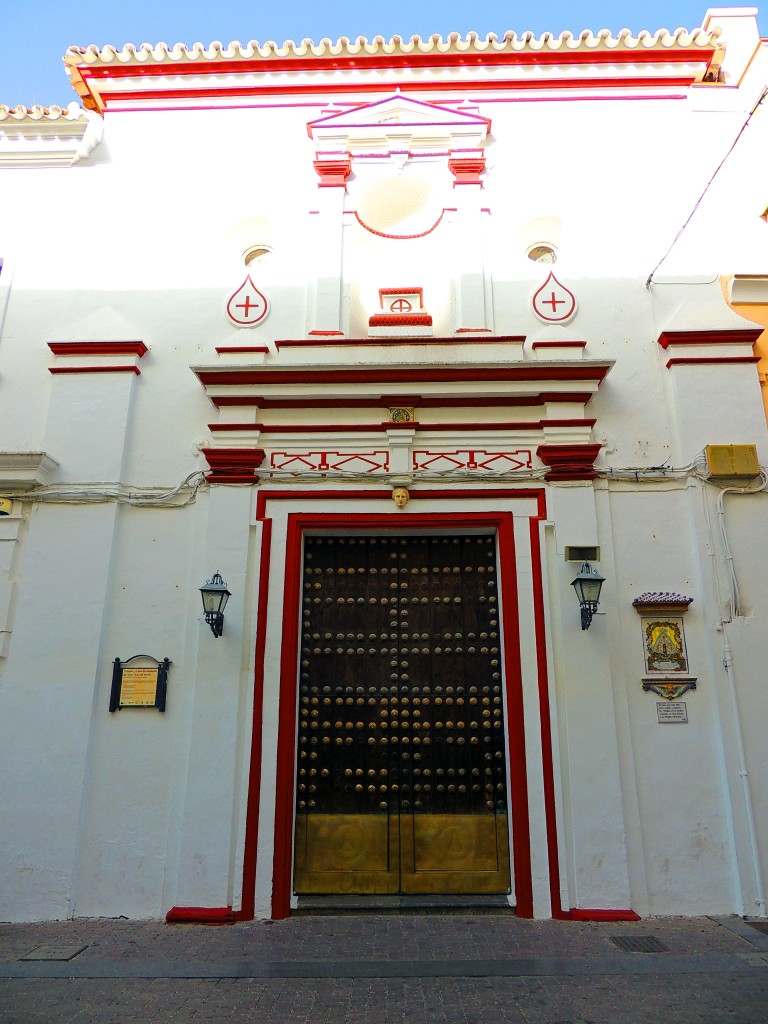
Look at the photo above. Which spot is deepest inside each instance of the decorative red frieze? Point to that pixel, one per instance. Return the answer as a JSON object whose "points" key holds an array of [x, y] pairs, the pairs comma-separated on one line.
{"points": [[327, 462], [333, 170], [569, 461], [473, 459], [233, 465], [466, 168]]}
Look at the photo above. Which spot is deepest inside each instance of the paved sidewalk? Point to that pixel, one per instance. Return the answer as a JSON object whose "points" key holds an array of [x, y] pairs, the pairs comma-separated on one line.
{"points": [[381, 969]]}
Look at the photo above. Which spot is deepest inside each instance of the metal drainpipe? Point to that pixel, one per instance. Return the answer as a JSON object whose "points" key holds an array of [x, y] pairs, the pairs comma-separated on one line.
{"points": [[744, 773]]}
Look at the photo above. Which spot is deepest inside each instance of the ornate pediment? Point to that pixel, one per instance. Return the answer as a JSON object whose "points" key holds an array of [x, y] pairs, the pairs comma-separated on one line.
{"points": [[400, 123]]}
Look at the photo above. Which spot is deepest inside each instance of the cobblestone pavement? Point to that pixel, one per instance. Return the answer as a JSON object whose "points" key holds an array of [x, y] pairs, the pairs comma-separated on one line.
{"points": [[382, 969]]}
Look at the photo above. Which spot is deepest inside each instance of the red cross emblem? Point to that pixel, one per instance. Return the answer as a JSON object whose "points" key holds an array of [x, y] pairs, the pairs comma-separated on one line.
{"points": [[248, 306], [553, 302]]}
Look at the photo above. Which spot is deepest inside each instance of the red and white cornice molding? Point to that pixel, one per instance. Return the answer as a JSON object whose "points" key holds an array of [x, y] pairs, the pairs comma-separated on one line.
{"points": [[137, 76], [468, 414], [713, 347], [97, 356]]}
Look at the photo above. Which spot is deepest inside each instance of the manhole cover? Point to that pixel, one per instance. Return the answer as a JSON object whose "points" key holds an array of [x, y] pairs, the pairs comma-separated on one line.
{"points": [[53, 953], [639, 944], [760, 926]]}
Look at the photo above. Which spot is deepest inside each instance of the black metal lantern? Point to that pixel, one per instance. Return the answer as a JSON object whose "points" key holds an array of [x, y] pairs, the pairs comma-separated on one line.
{"points": [[215, 596], [587, 586]]}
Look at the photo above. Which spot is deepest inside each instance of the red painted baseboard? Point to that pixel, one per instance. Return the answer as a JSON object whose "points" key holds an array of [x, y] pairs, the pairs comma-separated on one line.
{"points": [[579, 914], [200, 915]]}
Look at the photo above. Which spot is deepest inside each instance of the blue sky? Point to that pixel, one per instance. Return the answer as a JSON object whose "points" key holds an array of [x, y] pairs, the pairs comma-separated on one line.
{"points": [[33, 38]]}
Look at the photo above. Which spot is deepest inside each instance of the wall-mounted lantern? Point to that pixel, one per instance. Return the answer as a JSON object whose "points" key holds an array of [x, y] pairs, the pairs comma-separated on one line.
{"points": [[587, 586], [215, 596]]}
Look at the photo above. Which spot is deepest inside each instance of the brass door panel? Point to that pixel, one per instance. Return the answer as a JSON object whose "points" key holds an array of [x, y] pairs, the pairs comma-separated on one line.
{"points": [[347, 853], [454, 853], [401, 761]]}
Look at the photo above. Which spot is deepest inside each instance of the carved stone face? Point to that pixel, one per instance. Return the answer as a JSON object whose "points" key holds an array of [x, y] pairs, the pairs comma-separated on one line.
{"points": [[400, 496]]}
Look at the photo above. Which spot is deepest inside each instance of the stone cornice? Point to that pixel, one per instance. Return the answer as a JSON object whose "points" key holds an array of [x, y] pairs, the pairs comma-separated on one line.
{"points": [[47, 136]]}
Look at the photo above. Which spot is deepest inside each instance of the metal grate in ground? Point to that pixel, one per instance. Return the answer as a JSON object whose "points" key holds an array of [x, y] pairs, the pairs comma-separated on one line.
{"points": [[50, 952]]}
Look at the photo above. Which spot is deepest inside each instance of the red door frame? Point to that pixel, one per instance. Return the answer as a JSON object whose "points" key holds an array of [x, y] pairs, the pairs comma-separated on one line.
{"points": [[298, 523]]}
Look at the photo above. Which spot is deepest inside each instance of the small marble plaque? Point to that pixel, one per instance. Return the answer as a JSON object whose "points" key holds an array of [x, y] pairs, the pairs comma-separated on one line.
{"points": [[672, 713]]}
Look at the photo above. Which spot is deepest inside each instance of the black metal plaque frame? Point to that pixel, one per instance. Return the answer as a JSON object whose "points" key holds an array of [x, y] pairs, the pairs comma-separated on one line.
{"points": [[117, 683]]}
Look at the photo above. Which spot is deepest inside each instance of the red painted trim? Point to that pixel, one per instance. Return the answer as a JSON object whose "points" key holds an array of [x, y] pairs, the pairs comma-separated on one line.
{"points": [[516, 756], [398, 320], [200, 915], [286, 730], [333, 171], [569, 423], [548, 768], [327, 334], [266, 494], [466, 169], [485, 59], [569, 461], [467, 85], [559, 344], [250, 853], [577, 914], [712, 359], [643, 97], [427, 340], [241, 348], [383, 375], [468, 402], [97, 348], [297, 523], [235, 426], [233, 465], [95, 369], [746, 336], [415, 290], [356, 428], [388, 234]]}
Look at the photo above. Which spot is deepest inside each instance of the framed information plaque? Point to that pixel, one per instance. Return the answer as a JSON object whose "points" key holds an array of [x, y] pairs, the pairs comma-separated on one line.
{"points": [[139, 682]]}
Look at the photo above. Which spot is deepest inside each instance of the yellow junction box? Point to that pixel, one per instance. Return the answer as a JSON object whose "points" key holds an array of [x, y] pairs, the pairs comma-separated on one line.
{"points": [[732, 460]]}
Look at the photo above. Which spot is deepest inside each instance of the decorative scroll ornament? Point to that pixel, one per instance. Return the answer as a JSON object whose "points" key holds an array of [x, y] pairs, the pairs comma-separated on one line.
{"points": [[248, 307], [669, 690], [553, 303]]}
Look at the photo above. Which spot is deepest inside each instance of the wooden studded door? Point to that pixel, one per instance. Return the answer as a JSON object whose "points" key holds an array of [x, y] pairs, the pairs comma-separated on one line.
{"points": [[401, 781]]}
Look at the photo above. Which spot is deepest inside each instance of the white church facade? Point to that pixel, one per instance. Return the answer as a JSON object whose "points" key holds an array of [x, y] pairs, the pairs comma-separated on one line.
{"points": [[408, 342]]}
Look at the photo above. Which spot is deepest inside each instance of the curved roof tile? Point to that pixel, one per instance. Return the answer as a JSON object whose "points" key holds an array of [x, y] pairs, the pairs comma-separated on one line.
{"points": [[161, 53], [72, 112]]}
